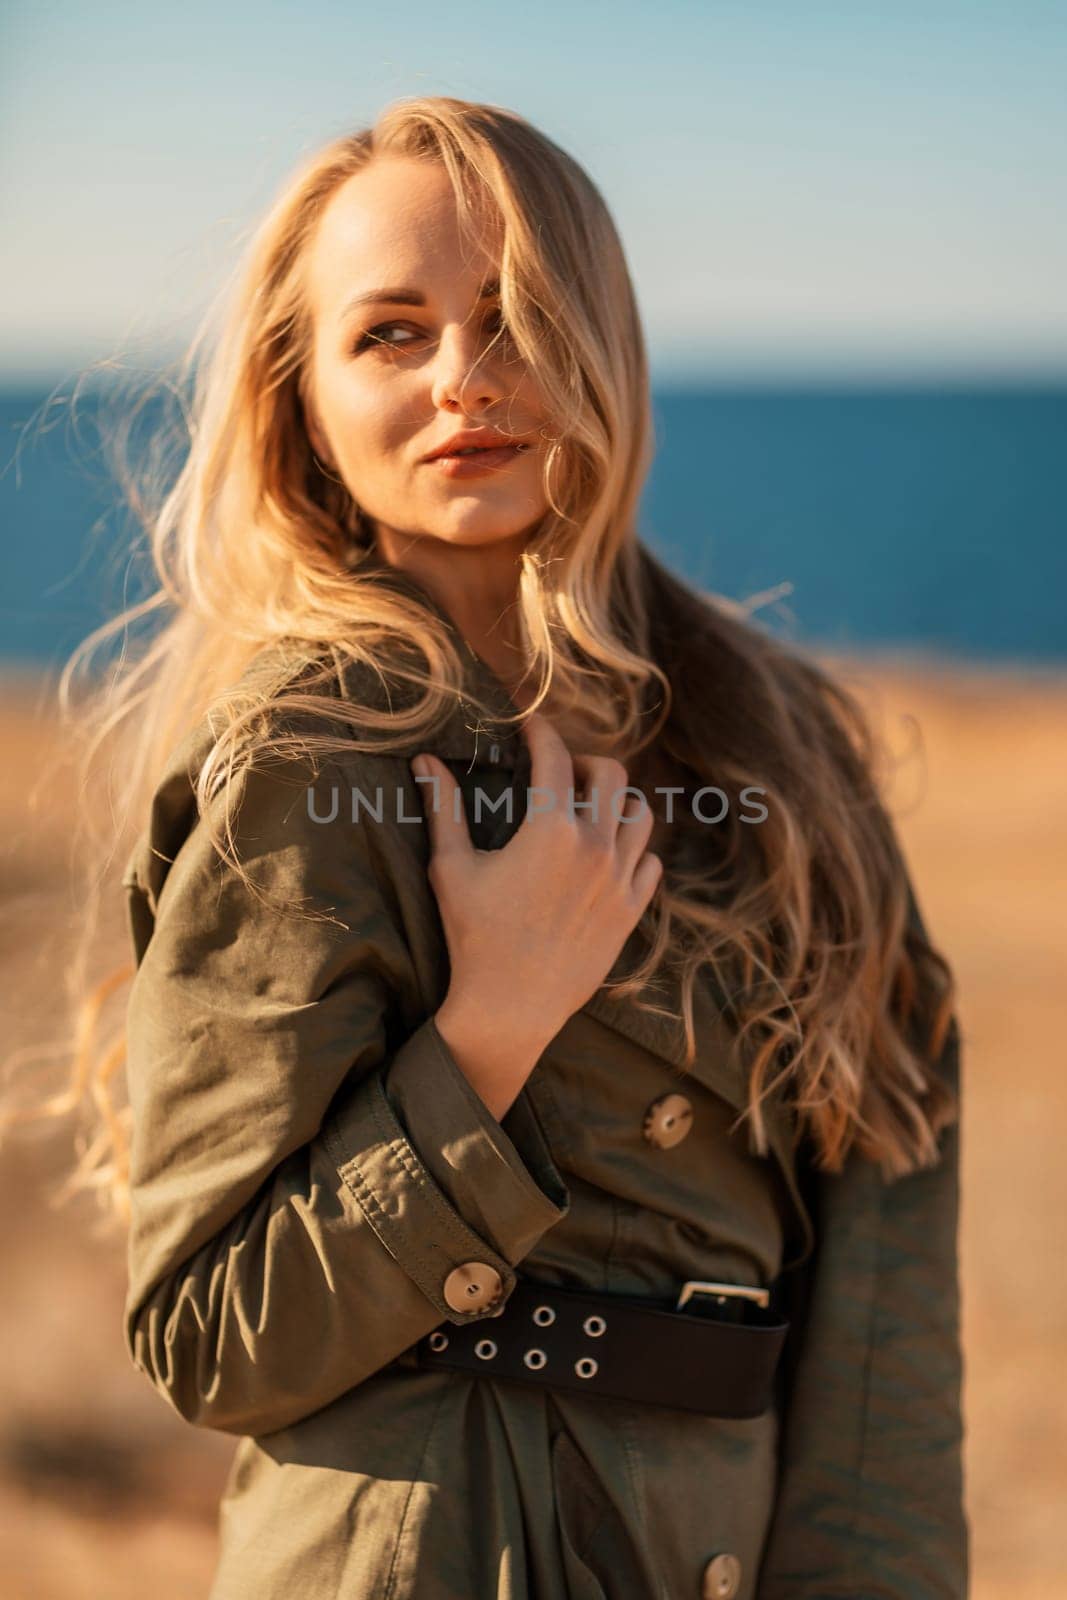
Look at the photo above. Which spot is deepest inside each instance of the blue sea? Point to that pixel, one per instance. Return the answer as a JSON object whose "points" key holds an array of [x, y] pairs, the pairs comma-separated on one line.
{"points": [[929, 520]]}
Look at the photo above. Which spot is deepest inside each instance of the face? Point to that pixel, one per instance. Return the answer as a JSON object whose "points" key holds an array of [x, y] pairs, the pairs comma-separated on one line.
{"points": [[386, 374]]}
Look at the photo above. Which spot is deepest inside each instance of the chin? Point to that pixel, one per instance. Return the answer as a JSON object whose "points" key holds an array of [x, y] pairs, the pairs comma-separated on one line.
{"points": [[484, 527]]}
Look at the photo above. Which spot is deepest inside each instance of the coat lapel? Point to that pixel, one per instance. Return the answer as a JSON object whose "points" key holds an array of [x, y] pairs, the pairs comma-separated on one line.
{"points": [[473, 740], [717, 1064]]}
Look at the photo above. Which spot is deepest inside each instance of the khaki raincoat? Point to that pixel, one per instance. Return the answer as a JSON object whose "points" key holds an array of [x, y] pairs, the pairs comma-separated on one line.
{"points": [[309, 1165]]}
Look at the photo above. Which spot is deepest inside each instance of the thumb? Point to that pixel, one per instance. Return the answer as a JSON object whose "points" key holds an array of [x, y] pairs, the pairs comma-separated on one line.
{"points": [[442, 801]]}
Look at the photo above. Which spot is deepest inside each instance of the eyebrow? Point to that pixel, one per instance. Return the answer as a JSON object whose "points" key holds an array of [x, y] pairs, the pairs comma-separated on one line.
{"points": [[405, 297]]}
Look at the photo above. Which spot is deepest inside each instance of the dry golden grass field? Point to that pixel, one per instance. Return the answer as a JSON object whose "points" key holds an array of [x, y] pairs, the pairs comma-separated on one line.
{"points": [[104, 1495]]}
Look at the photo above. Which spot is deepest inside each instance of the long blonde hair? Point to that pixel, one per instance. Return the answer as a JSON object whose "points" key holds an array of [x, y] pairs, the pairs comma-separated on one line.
{"points": [[807, 920]]}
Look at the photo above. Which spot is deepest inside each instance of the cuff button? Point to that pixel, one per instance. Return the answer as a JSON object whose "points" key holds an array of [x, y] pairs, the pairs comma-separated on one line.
{"points": [[475, 1286]]}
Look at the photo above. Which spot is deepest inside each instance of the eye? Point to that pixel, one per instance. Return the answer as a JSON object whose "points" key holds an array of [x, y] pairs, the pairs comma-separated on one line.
{"points": [[373, 336]]}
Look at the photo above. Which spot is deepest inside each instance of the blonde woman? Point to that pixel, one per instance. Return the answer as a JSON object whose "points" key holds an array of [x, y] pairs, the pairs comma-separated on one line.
{"points": [[544, 1154]]}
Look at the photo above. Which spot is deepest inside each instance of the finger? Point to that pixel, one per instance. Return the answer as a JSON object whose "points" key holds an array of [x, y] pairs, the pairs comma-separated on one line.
{"points": [[442, 802], [605, 782], [635, 829], [551, 769], [646, 879]]}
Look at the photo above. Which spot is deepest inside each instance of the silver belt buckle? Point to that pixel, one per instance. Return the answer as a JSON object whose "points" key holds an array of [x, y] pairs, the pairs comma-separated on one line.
{"points": [[719, 1291]]}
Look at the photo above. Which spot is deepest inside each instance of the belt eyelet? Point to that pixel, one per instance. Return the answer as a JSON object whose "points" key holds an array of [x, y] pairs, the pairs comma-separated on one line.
{"points": [[594, 1326], [438, 1340], [485, 1349], [544, 1316], [535, 1359], [585, 1367]]}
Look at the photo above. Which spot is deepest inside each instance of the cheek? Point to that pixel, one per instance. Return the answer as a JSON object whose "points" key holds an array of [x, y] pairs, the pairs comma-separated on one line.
{"points": [[528, 395], [360, 420], [375, 440], [534, 480]]}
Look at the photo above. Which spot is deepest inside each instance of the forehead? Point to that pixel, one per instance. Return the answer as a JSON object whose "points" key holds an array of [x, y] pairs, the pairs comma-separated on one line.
{"points": [[393, 223]]}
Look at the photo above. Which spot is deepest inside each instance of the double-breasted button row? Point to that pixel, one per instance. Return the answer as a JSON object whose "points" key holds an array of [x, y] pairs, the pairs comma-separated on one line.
{"points": [[668, 1120], [722, 1577], [474, 1286]]}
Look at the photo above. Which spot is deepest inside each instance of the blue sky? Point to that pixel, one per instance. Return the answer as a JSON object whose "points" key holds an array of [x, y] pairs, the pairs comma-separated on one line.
{"points": [[802, 189]]}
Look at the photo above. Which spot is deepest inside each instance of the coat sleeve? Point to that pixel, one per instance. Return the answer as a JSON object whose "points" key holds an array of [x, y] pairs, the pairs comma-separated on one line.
{"points": [[871, 1489], [305, 1171]]}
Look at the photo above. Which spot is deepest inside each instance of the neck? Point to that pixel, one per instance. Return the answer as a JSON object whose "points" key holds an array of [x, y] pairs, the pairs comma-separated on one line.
{"points": [[476, 585]]}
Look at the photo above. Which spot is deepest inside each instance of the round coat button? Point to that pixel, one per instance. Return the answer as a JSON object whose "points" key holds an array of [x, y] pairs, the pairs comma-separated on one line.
{"points": [[668, 1120], [722, 1577], [475, 1286]]}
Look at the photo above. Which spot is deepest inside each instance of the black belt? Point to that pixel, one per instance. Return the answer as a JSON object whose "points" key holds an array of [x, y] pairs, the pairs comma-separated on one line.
{"points": [[718, 1357]]}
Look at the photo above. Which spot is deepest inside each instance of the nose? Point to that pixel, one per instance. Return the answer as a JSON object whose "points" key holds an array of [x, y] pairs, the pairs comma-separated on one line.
{"points": [[466, 372]]}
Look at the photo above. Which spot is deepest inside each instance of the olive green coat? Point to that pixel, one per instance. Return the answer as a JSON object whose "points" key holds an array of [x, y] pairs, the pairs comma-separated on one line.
{"points": [[309, 1164]]}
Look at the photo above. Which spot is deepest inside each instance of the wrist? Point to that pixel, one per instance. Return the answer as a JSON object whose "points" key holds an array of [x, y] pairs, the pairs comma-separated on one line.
{"points": [[496, 1060]]}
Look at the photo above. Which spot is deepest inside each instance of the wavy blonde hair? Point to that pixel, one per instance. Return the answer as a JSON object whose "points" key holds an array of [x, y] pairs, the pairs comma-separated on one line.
{"points": [[807, 921]]}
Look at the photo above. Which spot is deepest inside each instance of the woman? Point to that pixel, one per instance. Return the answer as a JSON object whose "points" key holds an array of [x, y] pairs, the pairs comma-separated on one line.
{"points": [[439, 1109]]}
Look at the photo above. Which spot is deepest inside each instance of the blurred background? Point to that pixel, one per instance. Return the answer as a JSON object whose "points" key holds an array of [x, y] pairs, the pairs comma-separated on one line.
{"points": [[848, 233]]}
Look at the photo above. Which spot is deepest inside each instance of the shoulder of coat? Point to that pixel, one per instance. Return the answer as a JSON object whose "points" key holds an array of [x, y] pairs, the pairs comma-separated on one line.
{"points": [[281, 667]]}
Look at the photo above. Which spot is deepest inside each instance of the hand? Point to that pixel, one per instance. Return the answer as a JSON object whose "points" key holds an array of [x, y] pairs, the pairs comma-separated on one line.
{"points": [[534, 929]]}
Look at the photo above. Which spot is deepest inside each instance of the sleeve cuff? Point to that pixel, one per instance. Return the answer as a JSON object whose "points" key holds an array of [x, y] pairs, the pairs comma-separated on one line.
{"points": [[439, 1179], [505, 1185]]}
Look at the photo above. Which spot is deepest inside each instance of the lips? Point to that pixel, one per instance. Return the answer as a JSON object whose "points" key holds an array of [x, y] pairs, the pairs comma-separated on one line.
{"points": [[470, 440], [476, 450], [478, 462]]}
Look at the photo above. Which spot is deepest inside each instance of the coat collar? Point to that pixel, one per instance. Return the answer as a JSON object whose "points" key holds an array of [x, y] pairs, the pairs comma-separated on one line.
{"points": [[465, 734]]}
